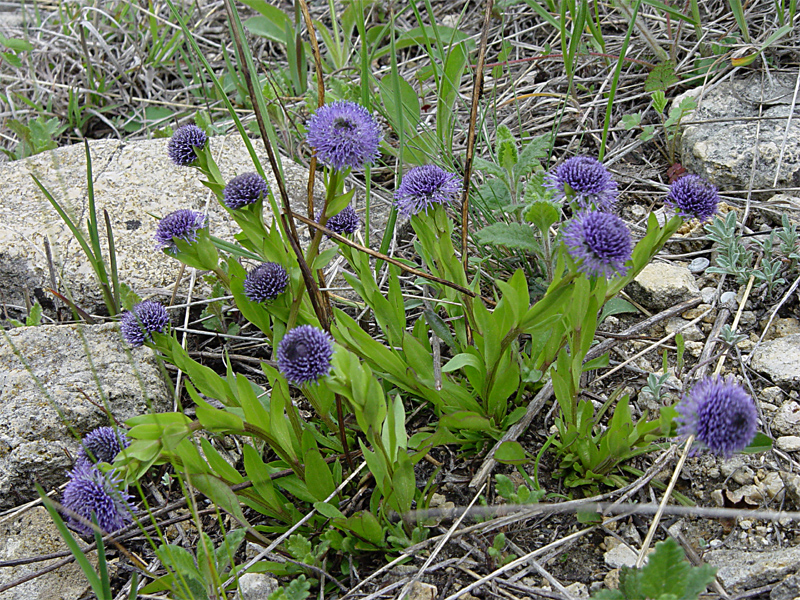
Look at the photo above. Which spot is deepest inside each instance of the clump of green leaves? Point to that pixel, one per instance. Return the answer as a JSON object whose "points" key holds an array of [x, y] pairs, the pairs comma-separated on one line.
{"points": [[660, 78], [521, 494], [200, 577], [298, 589], [35, 136], [666, 576], [33, 319]]}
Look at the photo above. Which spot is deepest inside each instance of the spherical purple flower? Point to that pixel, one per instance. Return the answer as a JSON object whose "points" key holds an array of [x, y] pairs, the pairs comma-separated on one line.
{"points": [[344, 134], [599, 243], [304, 354], [424, 186], [102, 445], [693, 197], [183, 144], [145, 318], [720, 414], [182, 224], [585, 180], [345, 222], [266, 282], [88, 491], [244, 189]]}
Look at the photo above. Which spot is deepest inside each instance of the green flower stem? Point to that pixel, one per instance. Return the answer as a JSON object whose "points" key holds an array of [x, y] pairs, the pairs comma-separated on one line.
{"points": [[295, 464]]}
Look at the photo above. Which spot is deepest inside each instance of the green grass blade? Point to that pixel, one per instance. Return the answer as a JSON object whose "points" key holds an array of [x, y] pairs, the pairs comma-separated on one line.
{"points": [[67, 220], [366, 101], [72, 544], [102, 564], [615, 81], [738, 13], [112, 260]]}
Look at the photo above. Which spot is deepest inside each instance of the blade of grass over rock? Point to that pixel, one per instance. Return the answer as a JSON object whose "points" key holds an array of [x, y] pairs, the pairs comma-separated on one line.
{"points": [[112, 260], [615, 79]]}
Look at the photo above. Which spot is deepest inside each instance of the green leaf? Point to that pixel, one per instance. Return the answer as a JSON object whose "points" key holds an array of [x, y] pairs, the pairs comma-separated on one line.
{"points": [[318, 474], [504, 486], [328, 510], [512, 235], [543, 214], [537, 148], [511, 453], [631, 121], [409, 102], [461, 360], [616, 306], [665, 571], [507, 151], [760, 443], [35, 316], [495, 194], [466, 420], [219, 493], [661, 77]]}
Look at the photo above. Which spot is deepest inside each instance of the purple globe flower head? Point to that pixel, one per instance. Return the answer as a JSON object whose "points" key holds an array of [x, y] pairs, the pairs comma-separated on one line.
{"points": [[244, 189], [182, 224], [344, 134], [599, 242], [304, 354], [266, 282], [345, 222], [585, 180], [720, 414], [424, 186], [102, 445], [138, 324], [90, 491], [693, 197], [183, 144]]}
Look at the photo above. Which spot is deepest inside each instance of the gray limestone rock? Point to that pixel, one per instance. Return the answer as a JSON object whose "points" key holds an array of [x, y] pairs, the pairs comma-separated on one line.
{"points": [[788, 589], [722, 151], [60, 395], [660, 286], [255, 586], [33, 533], [786, 421], [743, 570], [132, 180], [780, 360]]}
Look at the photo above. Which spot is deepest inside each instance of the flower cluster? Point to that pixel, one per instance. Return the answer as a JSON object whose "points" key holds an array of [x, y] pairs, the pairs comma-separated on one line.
{"points": [[266, 282], [102, 445], [586, 181], [90, 491], [720, 414], [424, 186], [344, 134], [693, 197], [182, 224], [599, 242], [244, 189], [345, 222], [182, 146], [304, 354], [138, 324]]}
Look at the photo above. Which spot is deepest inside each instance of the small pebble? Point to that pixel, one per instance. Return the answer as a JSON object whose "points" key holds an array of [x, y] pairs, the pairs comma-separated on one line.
{"points": [[708, 294], [728, 300], [699, 264], [788, 443]]}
